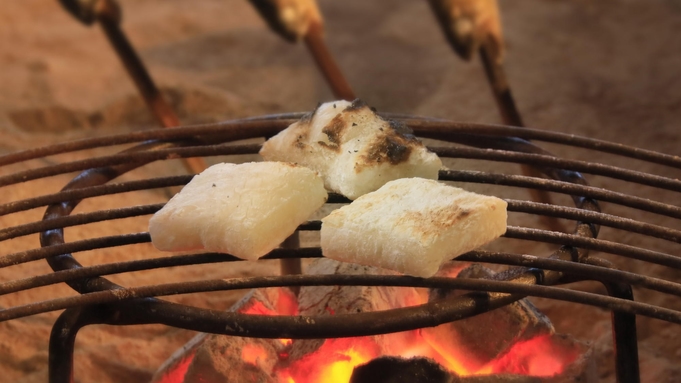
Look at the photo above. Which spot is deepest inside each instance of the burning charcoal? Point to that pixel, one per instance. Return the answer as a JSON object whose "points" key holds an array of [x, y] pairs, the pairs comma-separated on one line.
{"points": [[316, 358], [478, 340], [389, 369], [331, 300], [555, 359], [235, 360], [209, 356]]}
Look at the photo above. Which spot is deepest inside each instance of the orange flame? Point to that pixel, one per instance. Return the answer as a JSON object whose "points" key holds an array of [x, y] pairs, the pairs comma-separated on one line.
{"points": [[251, 353], [177, 372], [539, 356], [333, 362]]}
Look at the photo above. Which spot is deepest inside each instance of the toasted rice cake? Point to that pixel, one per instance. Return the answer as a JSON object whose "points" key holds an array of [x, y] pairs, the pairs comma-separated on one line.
{"points": [[245, 210], [355, 150], [412, 225]]}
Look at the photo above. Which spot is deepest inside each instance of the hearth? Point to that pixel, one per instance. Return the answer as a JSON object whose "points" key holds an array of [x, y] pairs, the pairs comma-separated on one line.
{"points": [[452, 307]]}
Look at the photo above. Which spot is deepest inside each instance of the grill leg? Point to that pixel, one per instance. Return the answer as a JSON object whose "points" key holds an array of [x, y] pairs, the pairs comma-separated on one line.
{"points": [[623, 329], [292, 266], [62, 340]]}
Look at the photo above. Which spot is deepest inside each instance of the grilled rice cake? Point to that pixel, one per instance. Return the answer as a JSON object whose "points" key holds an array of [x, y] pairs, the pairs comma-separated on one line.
{"points": [[245, 210], [355, 150], [412, 225]]}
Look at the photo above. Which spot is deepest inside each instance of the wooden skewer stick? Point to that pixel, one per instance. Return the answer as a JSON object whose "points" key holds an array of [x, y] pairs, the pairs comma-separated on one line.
{"points": [[314, 39], [108, 15], [471, 25], [510, 115]]}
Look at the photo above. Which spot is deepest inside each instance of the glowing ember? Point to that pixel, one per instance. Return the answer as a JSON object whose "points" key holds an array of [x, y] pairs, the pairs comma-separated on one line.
{"points": [[178, 371], [540, 356], [333, 362], [252, 353]]}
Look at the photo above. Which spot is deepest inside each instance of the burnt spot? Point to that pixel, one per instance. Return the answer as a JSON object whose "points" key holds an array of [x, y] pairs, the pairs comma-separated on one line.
{"points": [[390, 148], [357, 104], [334, 130], [396, 151], [301, 131], [300, 141], [335, 148]]}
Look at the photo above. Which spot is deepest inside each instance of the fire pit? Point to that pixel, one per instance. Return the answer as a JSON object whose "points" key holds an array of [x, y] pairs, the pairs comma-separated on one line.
{"points": [[103, 302], [514, 342]]}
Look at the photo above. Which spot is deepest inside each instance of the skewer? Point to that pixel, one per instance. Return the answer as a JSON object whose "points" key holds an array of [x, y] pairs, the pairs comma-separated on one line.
{"points": [[314, 39], [474, 25], [108, 14], [296, 20]]}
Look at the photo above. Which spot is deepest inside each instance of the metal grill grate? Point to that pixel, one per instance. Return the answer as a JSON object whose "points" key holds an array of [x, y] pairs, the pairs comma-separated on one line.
{"points": [[534, 275]]}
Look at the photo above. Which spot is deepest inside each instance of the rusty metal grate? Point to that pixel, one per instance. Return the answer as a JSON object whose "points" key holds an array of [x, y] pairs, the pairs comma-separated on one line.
{"points": [[533, 276]]}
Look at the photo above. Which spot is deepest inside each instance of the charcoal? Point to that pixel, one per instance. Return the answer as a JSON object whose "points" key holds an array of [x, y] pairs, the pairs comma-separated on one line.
{"points": [[234, 359], [480, 339], [332, 300], [218, 358], [389, 369]]}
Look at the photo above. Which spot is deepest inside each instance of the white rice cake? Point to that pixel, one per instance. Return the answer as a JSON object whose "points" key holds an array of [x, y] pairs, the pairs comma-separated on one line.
{"points": [[354, 150], [412, 226], [245, 210]]}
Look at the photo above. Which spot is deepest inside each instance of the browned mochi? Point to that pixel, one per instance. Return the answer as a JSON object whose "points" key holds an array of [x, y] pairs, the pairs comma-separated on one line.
{"points": [[355, 150], [412, 225]]}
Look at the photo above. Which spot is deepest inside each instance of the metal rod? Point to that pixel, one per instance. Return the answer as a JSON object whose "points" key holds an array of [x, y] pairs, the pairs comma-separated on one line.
{"points": [[306, 327], [77, 219], [513, 205], [443, 130], [564, 188], [93, 191], [270, 125], [567, 267], [623, 329], [314, 39], [291, 266], [62, 343], [560, 163], [512, 232], [126, 158], [243, 128], [594, 244]]}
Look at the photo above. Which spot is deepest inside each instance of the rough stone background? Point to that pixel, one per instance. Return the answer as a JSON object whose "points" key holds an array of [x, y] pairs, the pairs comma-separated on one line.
{"points": [[604, 69]]}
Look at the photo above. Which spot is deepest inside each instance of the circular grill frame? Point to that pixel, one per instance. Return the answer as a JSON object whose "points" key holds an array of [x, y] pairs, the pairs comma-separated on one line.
{"points": [[103, 302]]}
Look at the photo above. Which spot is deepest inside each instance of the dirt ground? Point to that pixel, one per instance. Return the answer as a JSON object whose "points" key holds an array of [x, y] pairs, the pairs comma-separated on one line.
{"points": [[603, 69]]}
